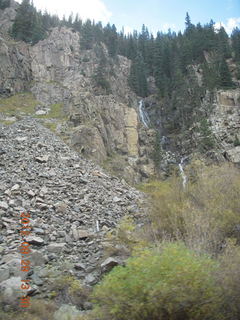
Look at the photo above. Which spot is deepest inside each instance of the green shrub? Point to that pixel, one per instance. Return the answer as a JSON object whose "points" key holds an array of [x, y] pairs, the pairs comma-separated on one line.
{"points": [[68, 289], [228, 278], [203, 214], [169, 283], [38, 310]]}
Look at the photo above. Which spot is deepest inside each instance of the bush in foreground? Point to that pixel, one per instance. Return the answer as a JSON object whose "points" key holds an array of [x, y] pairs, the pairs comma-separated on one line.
{"points": [[204, 214], [167, 283]]}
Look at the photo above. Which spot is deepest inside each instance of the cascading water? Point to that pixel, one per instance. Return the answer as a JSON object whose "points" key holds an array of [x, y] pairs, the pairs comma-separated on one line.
{"points": [[143, 114], [183, 175]]}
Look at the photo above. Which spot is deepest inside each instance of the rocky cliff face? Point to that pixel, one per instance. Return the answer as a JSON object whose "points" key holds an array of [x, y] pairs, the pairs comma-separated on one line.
{"points": [[103, 126], [225, 121]]}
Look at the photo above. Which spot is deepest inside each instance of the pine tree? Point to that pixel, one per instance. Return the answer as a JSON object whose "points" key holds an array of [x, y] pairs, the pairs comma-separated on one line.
{"points": [[131, 47], [225, 75], [207, 140], [223, 44], [100, 74], [28, 24], [137, 78], [188, 24], [22, 26], [86, 41], [4, 4], [210, 76], [77, 24], [236, 44], [38, 30], [111, 39]]}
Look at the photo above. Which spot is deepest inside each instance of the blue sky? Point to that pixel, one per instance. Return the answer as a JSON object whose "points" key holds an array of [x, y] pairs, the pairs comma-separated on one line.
{"points": [[162, 14], [156, 14]]}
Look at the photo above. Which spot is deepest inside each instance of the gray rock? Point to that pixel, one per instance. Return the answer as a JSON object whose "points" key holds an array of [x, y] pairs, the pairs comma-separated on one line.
{"points": [[15, 187], [37, 280], [56, 247], [41, 112], [14, 266], [117, 199], [109, 263], [234, 154], [39, 231], [10, 290], [42, 159], [37, 258], [3, 205], [35, 240], [4, 273], [67, 312], [79, 266], [72, 220], [90, 279], [31, 193], [82, 234]]}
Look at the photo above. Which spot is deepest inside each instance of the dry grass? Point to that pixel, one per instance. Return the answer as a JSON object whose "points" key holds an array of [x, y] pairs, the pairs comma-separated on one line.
{"points": [[21, 103], [203, 215]]}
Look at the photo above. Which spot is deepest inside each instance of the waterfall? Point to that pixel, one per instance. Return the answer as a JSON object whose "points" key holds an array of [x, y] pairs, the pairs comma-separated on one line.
{"points": [[182, 173], [143, 114]]}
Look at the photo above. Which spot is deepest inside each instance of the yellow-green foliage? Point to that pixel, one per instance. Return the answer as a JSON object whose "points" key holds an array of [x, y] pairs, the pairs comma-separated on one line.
{"points": [[67, 282], [24, 103], [7, 122], [38, 310], [51, 126], [203, 214], [167, 283], [68, 287], [229, 279], [125, 238], [56, 112]]}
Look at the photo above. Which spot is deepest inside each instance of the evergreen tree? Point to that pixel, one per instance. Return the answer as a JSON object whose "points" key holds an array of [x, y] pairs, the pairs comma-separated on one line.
{"points": [[207, 140], [100, 74], [236, 44], [137, 78], [4, 4], [225, 75], [210, 76], [111, 39], [188, 24], [22, 26], [28, 24], [38, 31], [77, 24], [131, 47], [223, 44], [86, 41]]}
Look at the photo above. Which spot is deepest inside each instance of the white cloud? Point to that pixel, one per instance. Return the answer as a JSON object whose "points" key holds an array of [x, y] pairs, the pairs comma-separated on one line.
{"points": [[92, 9], [229, 26]]}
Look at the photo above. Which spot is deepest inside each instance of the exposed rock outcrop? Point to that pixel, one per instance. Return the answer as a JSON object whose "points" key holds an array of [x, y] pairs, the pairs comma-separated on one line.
{"points": [[225, 120], [59, 71]]}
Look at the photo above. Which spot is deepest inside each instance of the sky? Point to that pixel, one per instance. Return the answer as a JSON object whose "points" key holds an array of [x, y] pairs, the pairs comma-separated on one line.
{"points": [[155, 14]]}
